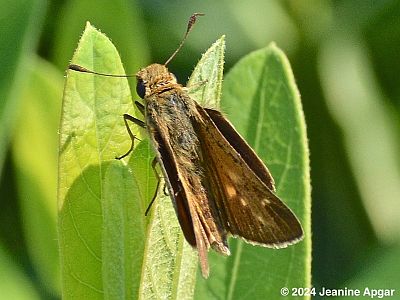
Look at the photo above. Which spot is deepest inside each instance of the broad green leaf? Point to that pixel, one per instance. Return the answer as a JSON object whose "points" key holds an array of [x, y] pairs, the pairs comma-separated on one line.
{"points": [[35, 155], [92, 133], [127, 192], [19, 24], [261, 98], [123, 234]]}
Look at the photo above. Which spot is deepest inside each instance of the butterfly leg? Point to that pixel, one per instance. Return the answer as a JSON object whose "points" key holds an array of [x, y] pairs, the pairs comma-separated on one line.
{"points": [[153, 165], [140, 107], [131, 135]]}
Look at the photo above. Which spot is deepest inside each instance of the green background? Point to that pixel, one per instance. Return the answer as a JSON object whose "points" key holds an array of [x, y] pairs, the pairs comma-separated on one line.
{"points": [[344, 56]]}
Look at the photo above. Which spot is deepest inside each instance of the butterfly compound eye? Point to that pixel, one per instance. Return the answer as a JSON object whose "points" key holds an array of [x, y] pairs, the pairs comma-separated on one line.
{"points": [[140, 88]]}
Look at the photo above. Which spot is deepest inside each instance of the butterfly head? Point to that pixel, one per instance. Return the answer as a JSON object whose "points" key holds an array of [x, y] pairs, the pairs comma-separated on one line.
{"points": [[152, 78]]}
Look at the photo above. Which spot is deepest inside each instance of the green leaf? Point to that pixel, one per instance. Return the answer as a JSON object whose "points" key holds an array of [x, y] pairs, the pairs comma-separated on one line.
{"points": [[205, 83], [123, 234], [108, 248], [92, 133], [35, 155], [261, 99], [127, 192]]}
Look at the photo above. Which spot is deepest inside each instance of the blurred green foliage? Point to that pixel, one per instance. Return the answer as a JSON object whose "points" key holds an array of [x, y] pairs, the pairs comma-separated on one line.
{"points": [[345, 58]]}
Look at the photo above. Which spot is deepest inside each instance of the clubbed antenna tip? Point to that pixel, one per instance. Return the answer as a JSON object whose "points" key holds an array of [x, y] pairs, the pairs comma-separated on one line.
{"points": [[191, 22]]}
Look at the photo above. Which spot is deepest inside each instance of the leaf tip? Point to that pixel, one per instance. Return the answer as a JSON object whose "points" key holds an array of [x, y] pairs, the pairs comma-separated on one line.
{"points": [[89, 27]]}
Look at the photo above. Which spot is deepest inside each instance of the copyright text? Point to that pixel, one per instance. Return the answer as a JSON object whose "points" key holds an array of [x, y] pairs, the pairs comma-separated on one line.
{"points": [[371, 293]]}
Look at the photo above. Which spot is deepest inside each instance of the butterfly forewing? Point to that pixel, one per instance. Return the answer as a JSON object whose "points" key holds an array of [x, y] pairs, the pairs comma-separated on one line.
{"points": [[241, 146], [250, 208], [177, 192]]}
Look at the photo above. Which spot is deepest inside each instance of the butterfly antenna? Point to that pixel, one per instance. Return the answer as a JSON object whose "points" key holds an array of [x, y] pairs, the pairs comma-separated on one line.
{"points": [[81, 69], [191, 22]]}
